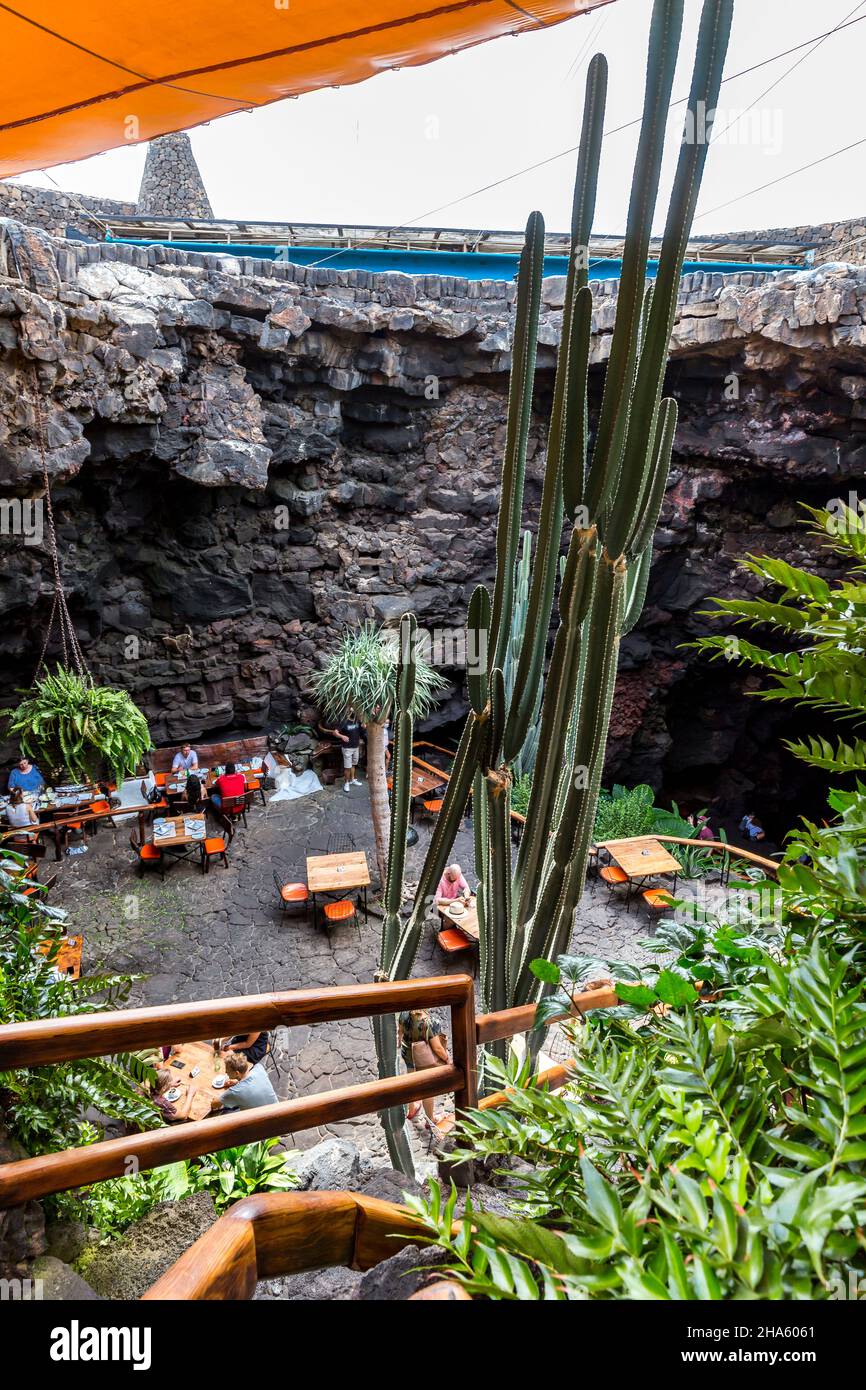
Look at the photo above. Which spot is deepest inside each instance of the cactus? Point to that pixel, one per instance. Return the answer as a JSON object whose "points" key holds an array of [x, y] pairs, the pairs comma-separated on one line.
{"points": [[611, 500], [524, 760]]}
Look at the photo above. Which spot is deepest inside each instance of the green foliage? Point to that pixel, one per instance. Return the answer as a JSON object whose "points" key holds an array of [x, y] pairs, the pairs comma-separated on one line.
{"points": [[521, 790], [67, 722], [362, 672], [228, 1176], [716, 1152], [624, 812], [43, 1106], [827, 672]]}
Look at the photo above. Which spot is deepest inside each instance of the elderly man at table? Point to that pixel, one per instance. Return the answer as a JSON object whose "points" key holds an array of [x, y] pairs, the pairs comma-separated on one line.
{"points": [[25, 777], [186, 760], [246, 1086], [452, 885]]}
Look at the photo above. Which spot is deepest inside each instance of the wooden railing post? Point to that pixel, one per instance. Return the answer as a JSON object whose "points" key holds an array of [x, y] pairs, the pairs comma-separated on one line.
{"points": [[464, 1047]]}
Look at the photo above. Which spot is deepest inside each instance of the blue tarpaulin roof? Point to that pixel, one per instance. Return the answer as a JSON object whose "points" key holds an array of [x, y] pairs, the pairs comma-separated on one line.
{"points": [[468, 265]]}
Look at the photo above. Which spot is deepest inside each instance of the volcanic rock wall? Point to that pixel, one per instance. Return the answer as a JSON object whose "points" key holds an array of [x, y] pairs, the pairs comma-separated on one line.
{"points": [[247, 457]]}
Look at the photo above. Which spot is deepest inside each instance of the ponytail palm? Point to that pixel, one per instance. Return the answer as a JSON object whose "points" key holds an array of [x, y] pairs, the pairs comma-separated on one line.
{"points": [[361, 676]]}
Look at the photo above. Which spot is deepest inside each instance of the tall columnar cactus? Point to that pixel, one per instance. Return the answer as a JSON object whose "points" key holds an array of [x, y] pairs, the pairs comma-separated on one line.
{"points": [[610, 498]]}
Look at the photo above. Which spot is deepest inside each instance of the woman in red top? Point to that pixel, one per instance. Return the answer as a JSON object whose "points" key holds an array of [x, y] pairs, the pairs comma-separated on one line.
{"points": [[231, 783]]}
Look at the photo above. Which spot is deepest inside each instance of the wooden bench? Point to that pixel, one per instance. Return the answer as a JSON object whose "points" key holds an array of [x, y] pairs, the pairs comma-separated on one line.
{"points": [[239, 750]]}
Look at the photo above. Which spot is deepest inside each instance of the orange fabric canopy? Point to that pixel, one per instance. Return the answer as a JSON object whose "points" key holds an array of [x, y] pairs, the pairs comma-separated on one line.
{"points": [[90, 75]]}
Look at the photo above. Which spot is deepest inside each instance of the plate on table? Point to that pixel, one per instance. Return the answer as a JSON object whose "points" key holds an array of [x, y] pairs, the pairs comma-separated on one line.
{"points": [[174, 1094], [218, 1083]]}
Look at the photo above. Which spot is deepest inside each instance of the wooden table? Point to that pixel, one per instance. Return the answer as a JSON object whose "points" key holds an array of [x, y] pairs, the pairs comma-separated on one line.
{"points": [[642, 858], [196, 1054], [68, 959], [337, 873], [180, 839], [467, 922]]}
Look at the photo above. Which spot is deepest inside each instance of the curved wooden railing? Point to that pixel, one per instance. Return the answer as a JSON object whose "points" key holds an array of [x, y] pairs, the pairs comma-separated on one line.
{"points": [[279, 1233], [721, 846]]}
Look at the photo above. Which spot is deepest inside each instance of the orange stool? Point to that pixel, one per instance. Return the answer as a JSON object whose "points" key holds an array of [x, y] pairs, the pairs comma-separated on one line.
{"points": [[454, 943], [339, 912], [657, 899]]}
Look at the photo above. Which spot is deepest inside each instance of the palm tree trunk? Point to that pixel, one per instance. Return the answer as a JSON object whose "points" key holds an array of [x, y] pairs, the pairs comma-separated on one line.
{"points": [[380, 808]]}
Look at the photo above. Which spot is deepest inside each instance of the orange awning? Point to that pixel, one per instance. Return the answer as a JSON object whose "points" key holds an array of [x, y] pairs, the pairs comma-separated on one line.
{"points": [[90, 75]]}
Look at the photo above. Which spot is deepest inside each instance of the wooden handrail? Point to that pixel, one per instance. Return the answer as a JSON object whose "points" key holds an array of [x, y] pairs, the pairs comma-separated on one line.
{"points": [[45, 1040], [87, 1035], [29, 1178], [723, 846]]}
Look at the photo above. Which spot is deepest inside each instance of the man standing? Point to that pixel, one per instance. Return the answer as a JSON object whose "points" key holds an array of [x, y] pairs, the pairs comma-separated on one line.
{"points": [[348, 732], [186, 760]]}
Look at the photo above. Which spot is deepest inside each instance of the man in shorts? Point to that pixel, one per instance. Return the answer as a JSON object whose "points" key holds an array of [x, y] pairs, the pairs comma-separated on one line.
{"points": [[348, 734]]}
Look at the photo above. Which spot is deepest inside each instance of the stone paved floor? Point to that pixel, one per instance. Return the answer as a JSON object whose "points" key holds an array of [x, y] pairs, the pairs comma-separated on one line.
{"points": [[200, 937]]}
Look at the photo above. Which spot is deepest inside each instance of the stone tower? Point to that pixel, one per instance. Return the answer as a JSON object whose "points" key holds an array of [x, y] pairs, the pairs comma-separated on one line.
{"points": [[171, 185]]}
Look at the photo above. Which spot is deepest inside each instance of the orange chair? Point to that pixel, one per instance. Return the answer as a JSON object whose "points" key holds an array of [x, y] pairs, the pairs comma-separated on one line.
{"points": [[216, 846], [254, 785], [147, 854], [291, 894], [615, 877], [612, 875], [454, 943], [657, 899], [430, 808], [235, 807], [342, 911]]}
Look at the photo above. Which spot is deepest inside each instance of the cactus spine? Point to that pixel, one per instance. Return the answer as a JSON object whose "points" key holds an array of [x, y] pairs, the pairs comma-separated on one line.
{"points": [[611, 500]]}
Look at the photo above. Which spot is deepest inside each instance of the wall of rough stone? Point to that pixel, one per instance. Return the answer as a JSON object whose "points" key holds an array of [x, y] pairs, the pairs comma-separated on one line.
{"points": [[248, 456], [54, 211]]}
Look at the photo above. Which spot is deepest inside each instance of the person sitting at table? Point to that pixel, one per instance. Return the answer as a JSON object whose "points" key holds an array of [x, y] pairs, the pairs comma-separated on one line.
{"points": [[194, 794], [253, 1046], [20, 813], [186, 760], [25, 777], [171, 1111], [230, 783], [452, 885], [246, 1086]]}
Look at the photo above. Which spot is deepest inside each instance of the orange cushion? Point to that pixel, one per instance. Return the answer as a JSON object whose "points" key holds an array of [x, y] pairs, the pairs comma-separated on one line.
{"points": [[339, 912], [99, 806], [657, 897], [613, 875], [150, 852], [295, 893], [253, 786], [160, 778], [434, 807], [453, 940], [215, 845]]}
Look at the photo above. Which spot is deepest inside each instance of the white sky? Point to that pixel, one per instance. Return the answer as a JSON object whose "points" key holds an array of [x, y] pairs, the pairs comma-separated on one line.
{"points": [[393, 149]]}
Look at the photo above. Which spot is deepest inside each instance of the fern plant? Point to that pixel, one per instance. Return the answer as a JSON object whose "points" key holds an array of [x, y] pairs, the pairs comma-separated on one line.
{"points": [[826, 623], [68, 722]]}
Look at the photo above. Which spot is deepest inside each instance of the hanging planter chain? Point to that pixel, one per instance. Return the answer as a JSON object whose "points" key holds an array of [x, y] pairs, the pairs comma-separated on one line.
{"points": [[59, 609]]}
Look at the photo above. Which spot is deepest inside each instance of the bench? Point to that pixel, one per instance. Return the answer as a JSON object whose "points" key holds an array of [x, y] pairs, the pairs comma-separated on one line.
{"points": [[238, 750]]}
